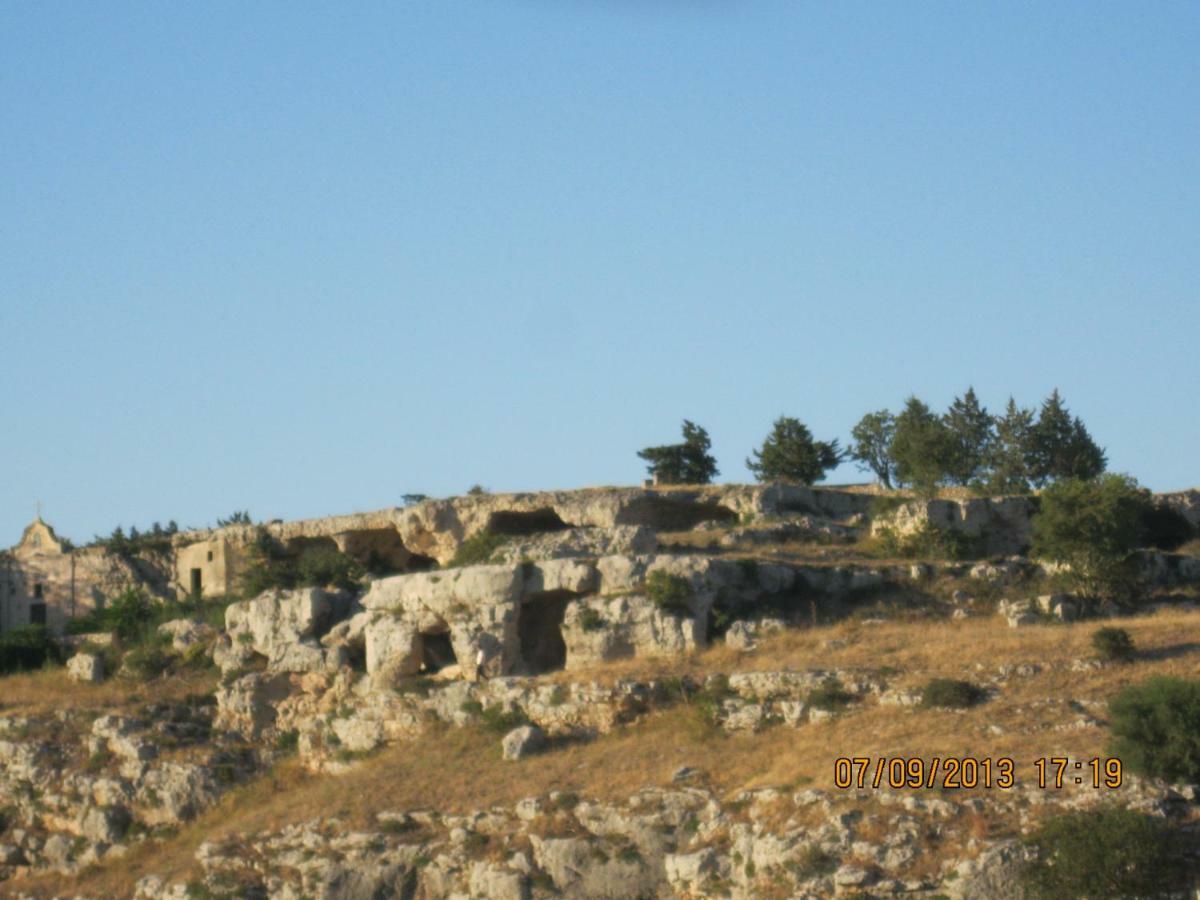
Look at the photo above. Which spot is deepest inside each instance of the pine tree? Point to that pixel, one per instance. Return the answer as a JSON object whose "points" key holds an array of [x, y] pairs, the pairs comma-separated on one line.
{"points": [[922, 447], [872, 445], [1010, 459], [1061, 446], [971, 433], [686, 463], [789, 453]]}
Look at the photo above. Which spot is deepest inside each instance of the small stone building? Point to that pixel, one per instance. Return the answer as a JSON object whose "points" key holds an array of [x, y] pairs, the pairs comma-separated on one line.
{"points": [[37, 580]]}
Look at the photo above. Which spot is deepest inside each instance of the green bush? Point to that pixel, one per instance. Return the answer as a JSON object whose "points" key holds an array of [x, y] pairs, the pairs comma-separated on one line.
{"points": [[927, 542], [320, 566], [26, 648], [1114, 644], [146, 661], [478, 549], [948, 693], [590, 620], [1155, 727], [830, 696], [1094, 527], [670, 593], [500, 720], [1110, 852]]}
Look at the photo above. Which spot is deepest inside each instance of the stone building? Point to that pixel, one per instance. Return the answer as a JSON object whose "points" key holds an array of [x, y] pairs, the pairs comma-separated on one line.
{"points": [[44, 580]]}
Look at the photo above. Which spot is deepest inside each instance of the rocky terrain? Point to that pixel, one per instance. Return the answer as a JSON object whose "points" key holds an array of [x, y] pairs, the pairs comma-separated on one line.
{"points": [[666, 681]]}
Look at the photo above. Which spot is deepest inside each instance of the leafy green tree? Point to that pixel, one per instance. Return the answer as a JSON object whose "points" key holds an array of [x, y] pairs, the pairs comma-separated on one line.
{"points": [[1011, 454], [972, 431], [1106, 852], [237, 517], [1094, 527], [1061, 446], [789, 453], [922, 447], [871, 445], [687, 463]]}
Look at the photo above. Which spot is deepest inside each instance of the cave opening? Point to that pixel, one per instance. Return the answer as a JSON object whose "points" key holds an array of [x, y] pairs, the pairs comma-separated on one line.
{"points": [[437, 651], [521, 524], [539, 627]]}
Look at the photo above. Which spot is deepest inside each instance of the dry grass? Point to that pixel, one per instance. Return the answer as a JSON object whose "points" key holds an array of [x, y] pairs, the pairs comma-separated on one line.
{"points": [[49, 690], [457, 770]]}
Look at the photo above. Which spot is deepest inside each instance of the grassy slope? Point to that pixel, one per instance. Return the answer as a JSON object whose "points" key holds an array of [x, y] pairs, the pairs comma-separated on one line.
{"points": [[461, 770]]}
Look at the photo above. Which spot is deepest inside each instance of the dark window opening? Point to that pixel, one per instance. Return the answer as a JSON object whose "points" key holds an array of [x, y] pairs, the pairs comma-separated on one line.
{"points": [[210, 556], [539, 626], [437, 652], [197, 581], [37, 614], [37, 591]]}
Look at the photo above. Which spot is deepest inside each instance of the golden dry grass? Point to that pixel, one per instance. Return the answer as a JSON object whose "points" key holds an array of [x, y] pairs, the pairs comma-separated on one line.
{"points": [[457, 770], [49, 690]]}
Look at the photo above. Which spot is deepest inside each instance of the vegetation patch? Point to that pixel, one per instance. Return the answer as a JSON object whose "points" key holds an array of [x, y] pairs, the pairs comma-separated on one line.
{"points": [[830, 696], [948, 693], [1111, 852], [1114, 644], [478, 549], [1155, 728], [670, 593]]}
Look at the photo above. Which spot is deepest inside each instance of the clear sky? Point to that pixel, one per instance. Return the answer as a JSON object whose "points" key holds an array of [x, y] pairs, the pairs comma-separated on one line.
{"points": [[304, 258]]}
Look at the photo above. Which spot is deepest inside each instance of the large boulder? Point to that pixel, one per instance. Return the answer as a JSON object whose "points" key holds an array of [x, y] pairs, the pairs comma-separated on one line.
{"points": [[284, 627], [86, 667]]}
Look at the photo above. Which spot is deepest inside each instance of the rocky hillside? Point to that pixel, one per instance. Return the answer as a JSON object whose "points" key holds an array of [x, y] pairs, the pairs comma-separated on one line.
{"points": [[660, 708]]}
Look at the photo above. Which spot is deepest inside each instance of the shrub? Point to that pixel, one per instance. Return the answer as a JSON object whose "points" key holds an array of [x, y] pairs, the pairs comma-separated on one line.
{"points": [[1110, 852], [947, 693], [1155, 728], [928, 541], [477, 549], [590, 620], [29, 647], [146, 661], [670, 593], [1113, 644], [830, 696], [287, 741], [500, 720], [320, 566], [1093, 526]]}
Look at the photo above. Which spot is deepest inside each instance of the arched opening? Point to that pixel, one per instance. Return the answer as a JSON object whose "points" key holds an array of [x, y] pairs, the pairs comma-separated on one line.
{"points": [[519, 524], [539, 627]]}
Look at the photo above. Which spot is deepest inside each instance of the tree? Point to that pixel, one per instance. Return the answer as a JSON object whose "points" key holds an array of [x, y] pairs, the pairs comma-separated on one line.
{"points": [[971, 431], [1061, 446], [789, 453], [1010, 454], [1104, 852], [922, 447], [237, 517], [1094, 527], [872, 445], [685, 463]]}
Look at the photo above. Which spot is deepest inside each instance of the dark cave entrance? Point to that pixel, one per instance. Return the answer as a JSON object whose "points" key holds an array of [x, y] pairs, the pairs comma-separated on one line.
{"points": [[521, 524], [539, 626]]}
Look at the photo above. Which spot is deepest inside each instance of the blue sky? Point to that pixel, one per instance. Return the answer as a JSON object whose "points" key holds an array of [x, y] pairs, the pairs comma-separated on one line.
{"points": [[304, 258]]}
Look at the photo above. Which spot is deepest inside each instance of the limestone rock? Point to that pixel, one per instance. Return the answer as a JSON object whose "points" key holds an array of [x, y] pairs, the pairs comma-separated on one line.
{"points": [[522, 742], [86, 667], [186, 633]]}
